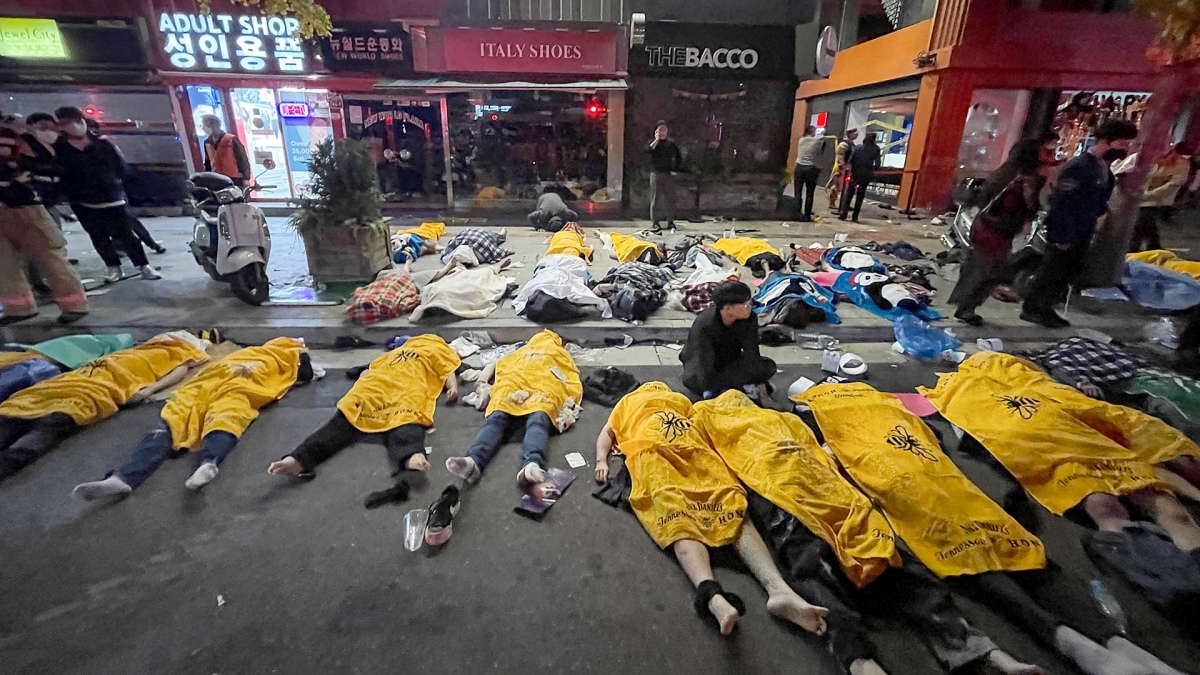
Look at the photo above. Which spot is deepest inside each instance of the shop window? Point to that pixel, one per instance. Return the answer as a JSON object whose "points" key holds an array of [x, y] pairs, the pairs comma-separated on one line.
{"points": [[993, 125], [890, 120], [306, 122], [405, 138], [870, 19], [514, 145], [1080, 112]]}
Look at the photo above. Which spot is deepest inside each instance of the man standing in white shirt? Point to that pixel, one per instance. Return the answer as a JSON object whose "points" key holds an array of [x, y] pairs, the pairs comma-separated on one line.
{"points": [[804, 178]]}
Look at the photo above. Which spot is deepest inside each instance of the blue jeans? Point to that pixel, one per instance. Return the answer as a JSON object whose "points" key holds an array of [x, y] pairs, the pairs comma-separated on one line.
{"points": [[498, 425], [155, 448]]}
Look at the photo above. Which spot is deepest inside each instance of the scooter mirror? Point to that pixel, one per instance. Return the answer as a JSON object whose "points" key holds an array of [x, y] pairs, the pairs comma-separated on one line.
{"points": [[268, 164]]}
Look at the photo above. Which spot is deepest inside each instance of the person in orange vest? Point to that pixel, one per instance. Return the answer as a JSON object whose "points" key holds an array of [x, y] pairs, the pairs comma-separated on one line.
{"points": [[224, 153]]}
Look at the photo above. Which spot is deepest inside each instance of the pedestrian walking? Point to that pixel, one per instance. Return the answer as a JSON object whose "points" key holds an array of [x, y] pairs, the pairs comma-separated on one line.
{"points": [[665, 162], [1164, 187], [805, 174], [1010, 202], [92, 171], [841, 168], [863, 162], [1079, 199], [27, 231]]}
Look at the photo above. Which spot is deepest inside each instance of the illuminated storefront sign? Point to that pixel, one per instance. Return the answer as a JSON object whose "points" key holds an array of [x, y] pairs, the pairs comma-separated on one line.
{"points": [[31, 39], [234, 44], [290, 109]]}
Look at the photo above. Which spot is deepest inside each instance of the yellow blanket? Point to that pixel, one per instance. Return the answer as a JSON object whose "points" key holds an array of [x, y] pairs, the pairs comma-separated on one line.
{"points": [[1169, 260], [13, 358], [681, 487], [568, 242], [777, 456], [97, 389], [400, 387], [1061, 445], [541, 376], [227, 395], [628, 248], [427, 231], [744, 248], [948, 522]]}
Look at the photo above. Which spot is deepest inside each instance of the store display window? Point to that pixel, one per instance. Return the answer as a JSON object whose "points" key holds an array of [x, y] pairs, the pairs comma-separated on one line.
{"points": [[1080, 112], [405, 138], [993, 125], [890, 119]]}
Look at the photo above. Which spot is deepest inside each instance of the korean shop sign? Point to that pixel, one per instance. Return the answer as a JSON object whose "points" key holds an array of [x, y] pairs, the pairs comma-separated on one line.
{"points": [[368, 48], [225, 43]]}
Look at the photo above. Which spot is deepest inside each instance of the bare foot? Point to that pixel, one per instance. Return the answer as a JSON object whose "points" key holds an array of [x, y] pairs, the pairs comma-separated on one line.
{"points": [[794, 609], [866, 667], [724, 613], [417, 462], [1001, 662], [288, 466]]}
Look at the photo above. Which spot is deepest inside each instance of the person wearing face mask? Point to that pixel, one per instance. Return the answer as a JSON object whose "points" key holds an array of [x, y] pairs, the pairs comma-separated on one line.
{"points": [[92, 171], [1079, 199], [43, 132], [224, 153]]}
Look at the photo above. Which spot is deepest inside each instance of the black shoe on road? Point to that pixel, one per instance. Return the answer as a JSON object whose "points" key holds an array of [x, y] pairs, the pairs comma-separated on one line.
{"points": [[969, 318], [441, 517]]}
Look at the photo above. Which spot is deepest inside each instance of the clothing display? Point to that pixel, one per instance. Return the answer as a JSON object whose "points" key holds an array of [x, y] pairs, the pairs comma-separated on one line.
{"points": [[539, 377], [948, 522], [401, 386], [562, 277], [487, 246], [776, 456], [681, 487], [466, 293], [742, 249], [1058, 443]]}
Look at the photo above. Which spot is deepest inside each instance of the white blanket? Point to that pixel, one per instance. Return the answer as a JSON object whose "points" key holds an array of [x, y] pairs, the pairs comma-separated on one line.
{"points": [[468, 293], [563, 277], [706, 272]]}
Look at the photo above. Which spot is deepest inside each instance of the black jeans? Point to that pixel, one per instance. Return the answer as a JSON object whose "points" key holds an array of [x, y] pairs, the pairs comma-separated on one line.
{"points": [[338, 433], [1145, 232], [662, 197], [1032, 599], [139, 230], [804, 179], [856, 188], [23, 441], [734, 375], [911, 593], [109, 230], [1057, 271]]}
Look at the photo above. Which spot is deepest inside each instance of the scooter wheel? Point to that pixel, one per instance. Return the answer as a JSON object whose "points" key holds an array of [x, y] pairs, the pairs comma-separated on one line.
{"points": [[250, 284]]}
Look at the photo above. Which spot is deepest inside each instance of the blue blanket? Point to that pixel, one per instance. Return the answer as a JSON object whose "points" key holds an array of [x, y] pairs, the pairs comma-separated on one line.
{"points": [[780, 286], [828, 259], [1154, 287], [847, 284]]}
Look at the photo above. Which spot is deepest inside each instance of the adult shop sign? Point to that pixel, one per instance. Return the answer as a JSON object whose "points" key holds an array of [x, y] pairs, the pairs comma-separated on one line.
{"points": [[707, 51]]}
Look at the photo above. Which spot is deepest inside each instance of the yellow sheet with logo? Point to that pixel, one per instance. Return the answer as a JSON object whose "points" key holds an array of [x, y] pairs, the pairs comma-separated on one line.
{"points": [[227, 395], [776, 455], [681, 486], [431, 231], [948, 522], [569, 242], [97, 389], [400, 387], [544, 371], [628, 247], [742, 249], [1059, 444]]}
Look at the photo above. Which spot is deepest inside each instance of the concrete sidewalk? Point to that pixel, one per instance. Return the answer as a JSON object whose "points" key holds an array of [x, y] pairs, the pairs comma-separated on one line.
{"points": [[187, 298]]}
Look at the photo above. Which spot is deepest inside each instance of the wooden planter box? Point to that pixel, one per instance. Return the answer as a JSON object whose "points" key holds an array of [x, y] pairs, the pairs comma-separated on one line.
{"points": [[348, 253]]}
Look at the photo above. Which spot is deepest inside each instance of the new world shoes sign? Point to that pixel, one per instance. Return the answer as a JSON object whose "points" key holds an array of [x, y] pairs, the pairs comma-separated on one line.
{"points": [[673, 49]]}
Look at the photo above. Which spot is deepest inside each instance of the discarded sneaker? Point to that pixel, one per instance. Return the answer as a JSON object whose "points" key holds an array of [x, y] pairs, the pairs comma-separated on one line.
{"points": [[441, 517], [396, 493]]}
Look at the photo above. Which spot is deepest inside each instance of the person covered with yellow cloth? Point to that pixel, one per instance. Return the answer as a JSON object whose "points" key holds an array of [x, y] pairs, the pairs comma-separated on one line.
{"points": [[395, 396], [569, 241], [536, 386], [35, 420], [831, 543], [1168, 260], [958, 532], [687, 500], [209, 413], [628, 248], [761, 257], [412, 243]]}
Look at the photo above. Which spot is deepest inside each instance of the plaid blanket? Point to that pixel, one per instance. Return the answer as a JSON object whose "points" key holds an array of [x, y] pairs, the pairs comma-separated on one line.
{"points": [[1079, 360], [385, 298], [485, 244]]}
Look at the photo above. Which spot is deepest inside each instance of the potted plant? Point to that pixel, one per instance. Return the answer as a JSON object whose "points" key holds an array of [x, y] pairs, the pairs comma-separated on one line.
{"points": [[345, 237]]}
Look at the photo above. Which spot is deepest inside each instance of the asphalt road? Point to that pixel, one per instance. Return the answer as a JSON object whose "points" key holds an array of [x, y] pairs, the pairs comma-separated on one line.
{"points": [[258, 575]]}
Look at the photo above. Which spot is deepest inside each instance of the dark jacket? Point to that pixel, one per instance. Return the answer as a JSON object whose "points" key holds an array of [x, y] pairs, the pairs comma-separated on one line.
{"points": [[1079, 199], [713, 346], [864, 160], [16, 182], [93, 175], [43, 169], [665, 156]]}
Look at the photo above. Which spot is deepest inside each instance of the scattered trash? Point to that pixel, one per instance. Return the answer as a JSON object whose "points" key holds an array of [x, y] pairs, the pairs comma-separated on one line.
{"points": [[990, 344], [840, 237], [575, 460], [492, 355], [1110, 293], [470, 375], [937, 220], [558, 374], [626, 340], [814, 340], [478, 338], [582, 355], [220, 601], [830, 361], [922, 341], [100, 291], [463, 347], [1162, 332], [786, 225], [1108, 605], [852, 364], [952, 356], [429, 449], [542, 496], [471, 399], [672, 345], [800, 386], [414, 528]]}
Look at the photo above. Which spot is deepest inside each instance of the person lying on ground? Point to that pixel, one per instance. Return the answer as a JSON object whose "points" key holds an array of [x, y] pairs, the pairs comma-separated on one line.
{"points": [[570, 240], [722, 347], [209, 413], [35, 420], [628, 248], [688, 501], [551, 213], [485, 247]]}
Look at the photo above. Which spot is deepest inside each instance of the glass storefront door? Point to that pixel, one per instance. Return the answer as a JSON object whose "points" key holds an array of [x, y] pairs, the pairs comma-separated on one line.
{"points": [[257, 123], [405, 138]]}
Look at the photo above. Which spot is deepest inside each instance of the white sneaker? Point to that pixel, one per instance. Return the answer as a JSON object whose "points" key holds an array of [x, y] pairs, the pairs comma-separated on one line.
{"points": [[149, 273], [531, 474], [113, 275]]}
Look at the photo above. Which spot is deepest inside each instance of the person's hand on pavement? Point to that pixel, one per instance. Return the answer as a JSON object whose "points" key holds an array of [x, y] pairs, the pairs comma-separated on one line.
{"points": [[601, 471]]}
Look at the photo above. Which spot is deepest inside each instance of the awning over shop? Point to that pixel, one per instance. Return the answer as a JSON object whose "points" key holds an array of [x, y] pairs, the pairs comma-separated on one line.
{"points": [[442, 84]]}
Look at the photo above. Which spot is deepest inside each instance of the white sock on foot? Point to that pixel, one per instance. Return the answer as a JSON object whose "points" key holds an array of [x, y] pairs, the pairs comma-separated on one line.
{"points": [[463, 467], [1133, 652], [203, 476], [531, 473], [109, 487], [1093, 658]]}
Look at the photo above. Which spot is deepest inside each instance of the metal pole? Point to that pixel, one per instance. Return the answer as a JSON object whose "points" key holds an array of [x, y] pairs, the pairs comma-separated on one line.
{"points": [[447, 160]]}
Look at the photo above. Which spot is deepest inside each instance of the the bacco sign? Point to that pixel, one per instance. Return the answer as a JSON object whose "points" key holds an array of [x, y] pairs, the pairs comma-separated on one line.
{"points": [[673, 49]]}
